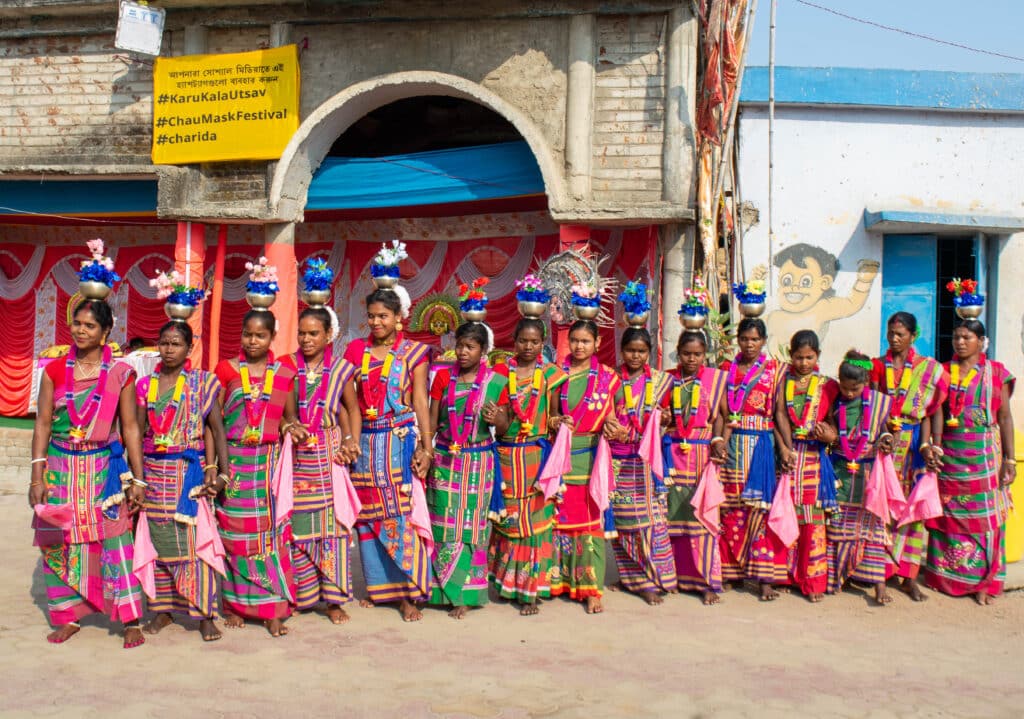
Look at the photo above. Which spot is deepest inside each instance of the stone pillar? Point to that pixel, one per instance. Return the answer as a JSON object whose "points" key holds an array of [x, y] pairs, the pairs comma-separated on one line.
{"points": [[280, 34], [190, 261], [280, 252], [579, 106], [679, 149], [677, 272]]}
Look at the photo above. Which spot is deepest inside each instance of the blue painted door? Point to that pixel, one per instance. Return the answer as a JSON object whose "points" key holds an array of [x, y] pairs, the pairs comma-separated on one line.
{"points": [[909, 271]]}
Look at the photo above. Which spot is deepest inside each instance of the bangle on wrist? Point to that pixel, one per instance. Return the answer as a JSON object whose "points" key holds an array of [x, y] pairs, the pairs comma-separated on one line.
{"points": [[208, 467], [348, 437], [223, 477], [716, 439], [37, 460], [138, 482]]}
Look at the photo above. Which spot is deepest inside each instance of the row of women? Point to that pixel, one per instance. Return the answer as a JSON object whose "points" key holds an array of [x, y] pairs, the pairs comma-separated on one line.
{"points": [[267, 471]]}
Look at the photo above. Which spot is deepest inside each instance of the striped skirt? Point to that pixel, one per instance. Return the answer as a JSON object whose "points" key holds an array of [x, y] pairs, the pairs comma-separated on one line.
{"points": [[808, 558], [185, 584], [87, 568], [857, 547], [966, 552], [747, 548], [259, 583], [643, 552], [578, 565], [396, 564], [320, 545], [697, 554], [520, 552], [909, 542]]}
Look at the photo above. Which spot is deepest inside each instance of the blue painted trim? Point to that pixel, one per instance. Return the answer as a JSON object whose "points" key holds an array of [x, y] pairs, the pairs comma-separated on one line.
{"points": [[72, 197], [912, 220], [846, 86]]}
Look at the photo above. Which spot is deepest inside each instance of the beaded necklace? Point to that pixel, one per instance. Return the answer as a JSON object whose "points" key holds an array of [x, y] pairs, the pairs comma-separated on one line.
{"points": [[80, 421], [802, 425], [161, 424], [685, 428], [463, 425], [845, 433], [589, 399], [958, 392], [375, 392], [314, 419], [525, 412], [737, 396], [634, 410], [255, 408], [898, 393]]}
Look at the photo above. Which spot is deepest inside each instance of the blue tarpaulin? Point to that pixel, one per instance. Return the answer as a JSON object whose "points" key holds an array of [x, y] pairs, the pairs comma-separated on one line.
{"points": [[464, 174]]}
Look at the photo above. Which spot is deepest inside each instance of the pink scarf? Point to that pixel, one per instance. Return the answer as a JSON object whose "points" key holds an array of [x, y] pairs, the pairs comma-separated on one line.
{"points": [[924, 502], [650, 445], [559, 463], [209, 548], [709, 496], [602, 478], [883, 496], [420, 516], [346, 501], [782, 516], [284, 491]]}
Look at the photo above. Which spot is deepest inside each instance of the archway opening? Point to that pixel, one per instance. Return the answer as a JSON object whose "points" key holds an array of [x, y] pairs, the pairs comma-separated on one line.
{"points": [[422, 124]]}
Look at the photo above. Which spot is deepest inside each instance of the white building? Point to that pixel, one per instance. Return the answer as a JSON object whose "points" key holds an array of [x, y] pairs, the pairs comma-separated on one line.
{"points": [[904, 179]]}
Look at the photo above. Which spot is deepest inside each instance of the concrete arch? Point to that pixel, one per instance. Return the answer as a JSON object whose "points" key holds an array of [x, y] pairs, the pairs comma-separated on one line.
{"points": [[312, 141]]}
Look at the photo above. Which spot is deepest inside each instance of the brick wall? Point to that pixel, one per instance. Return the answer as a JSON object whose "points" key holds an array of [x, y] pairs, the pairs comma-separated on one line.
{"points": [[73, 100], [15, 455], [629, 108]]}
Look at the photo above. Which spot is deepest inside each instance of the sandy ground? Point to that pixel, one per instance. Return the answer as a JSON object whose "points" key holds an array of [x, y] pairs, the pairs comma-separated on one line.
{"points": [[843, 658]]}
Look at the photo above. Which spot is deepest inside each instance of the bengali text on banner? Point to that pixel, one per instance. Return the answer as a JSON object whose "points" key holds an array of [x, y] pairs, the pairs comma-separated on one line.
{"points": [[237, 106]]}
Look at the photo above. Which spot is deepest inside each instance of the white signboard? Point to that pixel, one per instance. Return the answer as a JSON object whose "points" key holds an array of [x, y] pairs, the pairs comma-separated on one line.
{"points": [[140, 28]]}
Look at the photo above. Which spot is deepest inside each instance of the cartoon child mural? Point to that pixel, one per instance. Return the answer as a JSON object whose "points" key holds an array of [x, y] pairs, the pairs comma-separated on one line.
{"points": [[804, 292]]}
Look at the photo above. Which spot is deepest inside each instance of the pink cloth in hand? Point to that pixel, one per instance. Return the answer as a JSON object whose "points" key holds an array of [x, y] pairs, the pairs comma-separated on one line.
{"points": [[883, 496], [602, 478], [650, 445], [209, 547], [346, 501], [924, 502], [559, 463], [284, 491], [144, 557], [782, 518], [710, 495], [57, 515], [420, 516]]}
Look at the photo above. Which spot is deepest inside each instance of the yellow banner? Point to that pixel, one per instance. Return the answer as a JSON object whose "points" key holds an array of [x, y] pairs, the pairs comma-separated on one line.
{"points": [[237, 106]]}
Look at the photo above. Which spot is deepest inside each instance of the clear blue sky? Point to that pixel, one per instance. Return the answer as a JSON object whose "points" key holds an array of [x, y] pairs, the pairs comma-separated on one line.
{"points": [[808, 36]]}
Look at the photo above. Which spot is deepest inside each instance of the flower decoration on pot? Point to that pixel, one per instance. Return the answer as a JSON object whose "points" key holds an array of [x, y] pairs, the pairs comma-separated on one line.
{"points": [[531, 296], [751, 296], [586, 301], [262, 288], [96, 277], [473, 300], [384, 269], [966, 300], [634, 299], [180, 299], [316, 282], [693, 312]]}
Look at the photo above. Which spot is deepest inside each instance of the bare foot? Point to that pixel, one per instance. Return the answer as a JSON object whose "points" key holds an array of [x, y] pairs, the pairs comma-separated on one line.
{"points": [[409, 611], [815, 597], [458, 612], [616, 586], [133, 637], [366, 603], [276, 627], [158, 622], [727, 586], [336, 614], [911, 587], [653, 597], [62, 633], [209, 631], [233, 621], [710, 598], [528, 610], [984, 599], [882, 596], [594, 605], [768, 592]]}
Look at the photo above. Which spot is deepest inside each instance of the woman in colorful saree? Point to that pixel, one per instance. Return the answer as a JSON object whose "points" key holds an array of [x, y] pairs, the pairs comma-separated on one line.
{"points": [[749, 548], [258, 390], [694, 438], [186, 458], [966, 552], [801, 406], [82, 489], [466, 401], [393, 431], [643, 552], [521, 546], [917, 387], [320, 539], [857, 537], [587, 404]]}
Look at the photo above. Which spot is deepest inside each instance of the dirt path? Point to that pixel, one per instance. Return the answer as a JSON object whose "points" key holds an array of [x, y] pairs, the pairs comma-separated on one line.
{"points": [[742, 658]]}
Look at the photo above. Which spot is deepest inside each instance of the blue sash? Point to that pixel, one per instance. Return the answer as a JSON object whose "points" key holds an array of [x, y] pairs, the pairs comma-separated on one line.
{"points": [[187, 507]]}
